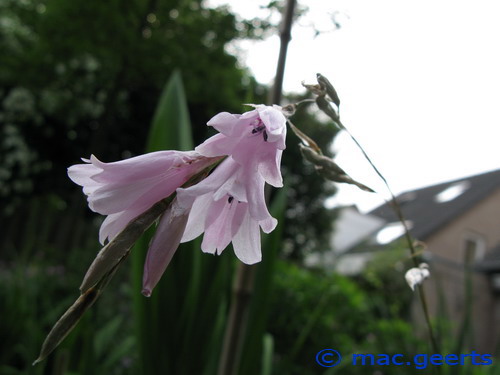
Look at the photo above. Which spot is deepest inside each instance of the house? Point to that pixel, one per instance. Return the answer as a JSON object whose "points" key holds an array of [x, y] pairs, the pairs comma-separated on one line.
{"points": [[351, 228], [459, 222]]}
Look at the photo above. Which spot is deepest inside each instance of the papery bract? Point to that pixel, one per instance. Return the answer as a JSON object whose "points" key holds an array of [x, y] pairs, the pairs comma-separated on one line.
{"points": [[163, 245]]}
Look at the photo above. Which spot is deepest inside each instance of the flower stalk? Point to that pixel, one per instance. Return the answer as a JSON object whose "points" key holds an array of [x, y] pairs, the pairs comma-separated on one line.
{"points": [[326, 93], [103, 269]]}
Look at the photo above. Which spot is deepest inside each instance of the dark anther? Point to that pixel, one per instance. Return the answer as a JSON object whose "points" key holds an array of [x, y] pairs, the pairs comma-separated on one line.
{"points": [[258, 129], [230, 199], [264, 134]]}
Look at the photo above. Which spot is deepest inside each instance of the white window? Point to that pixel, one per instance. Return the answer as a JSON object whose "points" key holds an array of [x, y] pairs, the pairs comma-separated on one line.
{"points": [[452, 192], [391, 232], [473, 247]]}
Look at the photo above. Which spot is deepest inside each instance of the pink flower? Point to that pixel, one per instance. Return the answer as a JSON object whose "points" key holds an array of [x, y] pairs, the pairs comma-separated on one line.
{"points": [[227, 210], [255, 140], [229, 205], [125, 189]]}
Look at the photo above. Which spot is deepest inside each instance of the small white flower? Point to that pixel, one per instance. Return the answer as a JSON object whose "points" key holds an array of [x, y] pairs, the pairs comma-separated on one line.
{"points": [[415, 276]]}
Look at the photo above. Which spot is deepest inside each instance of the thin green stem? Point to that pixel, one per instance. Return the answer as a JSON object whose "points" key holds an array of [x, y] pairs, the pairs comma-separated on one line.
{"points": [[325, 106], [397, 209]]}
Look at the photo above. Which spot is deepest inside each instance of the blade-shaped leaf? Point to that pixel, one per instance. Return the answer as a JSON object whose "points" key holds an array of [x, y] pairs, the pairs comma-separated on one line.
{"points": [[171, 127]]}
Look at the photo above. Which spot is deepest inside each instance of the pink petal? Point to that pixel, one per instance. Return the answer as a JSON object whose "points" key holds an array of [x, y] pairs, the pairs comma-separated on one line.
{"points": [[216, 145], [239, 214], [246, 242], [210, 184], [115, 223], [233, 186], [163, 246], [112, 198], [249, 116], [135, 168], [81, 174], [144, 191], [218, 226], [196, 222], [275, 123], [269, 168], [246, 152], [268, 225], [256, 200], [224, 122]]}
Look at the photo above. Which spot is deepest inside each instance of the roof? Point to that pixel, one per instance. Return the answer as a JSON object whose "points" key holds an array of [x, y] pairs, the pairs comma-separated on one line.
{"points": [[430, 208]]}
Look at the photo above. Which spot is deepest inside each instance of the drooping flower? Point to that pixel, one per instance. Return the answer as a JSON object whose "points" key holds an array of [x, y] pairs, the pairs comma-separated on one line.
{"points": [[229, 205], [124, 189], [255, 140]]}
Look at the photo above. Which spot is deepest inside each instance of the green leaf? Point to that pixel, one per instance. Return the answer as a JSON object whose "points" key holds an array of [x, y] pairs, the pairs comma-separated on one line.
{"points": [[260, 305], [104, 338], [171, 127], [267, 354], [170, 130]]}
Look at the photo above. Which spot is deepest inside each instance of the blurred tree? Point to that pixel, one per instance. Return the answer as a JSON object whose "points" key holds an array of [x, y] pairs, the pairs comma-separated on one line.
{"points": [[84, 77]]}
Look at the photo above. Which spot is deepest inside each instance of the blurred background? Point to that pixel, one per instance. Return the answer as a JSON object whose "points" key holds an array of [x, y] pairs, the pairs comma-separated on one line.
{"points": [[87, 77]]}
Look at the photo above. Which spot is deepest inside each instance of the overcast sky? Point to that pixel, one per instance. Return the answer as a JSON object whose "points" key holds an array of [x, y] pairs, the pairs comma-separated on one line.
{"points": [[419, 83]]}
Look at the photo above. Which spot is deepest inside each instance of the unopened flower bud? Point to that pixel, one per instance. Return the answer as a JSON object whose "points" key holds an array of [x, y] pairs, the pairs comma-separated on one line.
{"points": [[328, 87]]}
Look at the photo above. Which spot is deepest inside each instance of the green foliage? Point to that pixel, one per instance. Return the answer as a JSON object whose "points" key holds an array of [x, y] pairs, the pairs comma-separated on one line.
{"points": [[171, 127], [38, 282], [385, 271], [310, 312]]}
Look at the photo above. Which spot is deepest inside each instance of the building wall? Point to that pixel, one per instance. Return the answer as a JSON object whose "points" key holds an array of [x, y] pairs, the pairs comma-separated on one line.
{"points": [[447, 291]]}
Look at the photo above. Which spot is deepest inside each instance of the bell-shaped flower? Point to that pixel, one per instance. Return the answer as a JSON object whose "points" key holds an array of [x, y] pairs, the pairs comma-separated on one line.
{"points": [[255, 140], [124, 189], [229, 205], [221, 207]]}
